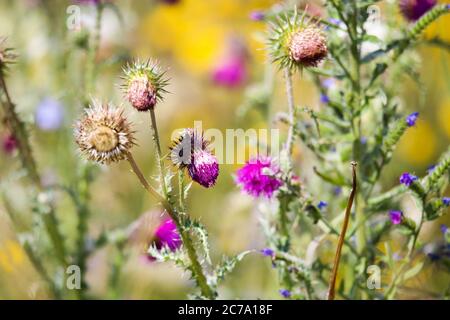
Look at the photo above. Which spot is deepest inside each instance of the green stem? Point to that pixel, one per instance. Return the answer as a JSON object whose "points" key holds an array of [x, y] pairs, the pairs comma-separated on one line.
{"points": [[159, 159], [92, 55], [197, 270]]}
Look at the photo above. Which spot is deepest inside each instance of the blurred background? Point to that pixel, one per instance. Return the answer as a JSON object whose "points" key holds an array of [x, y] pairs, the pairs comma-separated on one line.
{"points": [[214, 52]]}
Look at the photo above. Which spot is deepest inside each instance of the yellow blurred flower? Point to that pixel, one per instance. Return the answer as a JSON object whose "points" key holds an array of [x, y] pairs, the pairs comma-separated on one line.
{"points": [[196, 32], [418, 145], [11, 256], [444, 116]]}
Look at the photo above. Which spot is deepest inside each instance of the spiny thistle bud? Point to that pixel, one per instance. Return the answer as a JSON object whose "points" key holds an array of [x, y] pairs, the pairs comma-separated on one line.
{"points": [[190, 151], [144, 84], [7, 55], [183, 148], [297, 43], [104, 134]]}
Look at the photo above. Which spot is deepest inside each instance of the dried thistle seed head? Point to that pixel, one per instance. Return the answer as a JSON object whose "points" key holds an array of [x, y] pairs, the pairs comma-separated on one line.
{"points": [[308, 47], [7, 55], [183, 148], [144, 84], [104, 134], [296, 43]]}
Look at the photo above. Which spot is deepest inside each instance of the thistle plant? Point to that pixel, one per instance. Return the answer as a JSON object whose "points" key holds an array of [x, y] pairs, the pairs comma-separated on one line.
{"points": [[361, 122]]}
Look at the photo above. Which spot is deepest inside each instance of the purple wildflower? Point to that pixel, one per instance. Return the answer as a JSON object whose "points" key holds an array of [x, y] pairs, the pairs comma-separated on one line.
{"points": [[285, 293], [256, 181], [431, 168], [446, 201], [412, 10], [328, 83], [49, 115], [167, 235], [322, 205], [257, 15], [337, 191], [9, 144], [363, 140], [411, 119], [267, 252], [444, 228], [407, 179], [204, 168], [324, 99], [230, 73], [334, 21], [396, 216]]}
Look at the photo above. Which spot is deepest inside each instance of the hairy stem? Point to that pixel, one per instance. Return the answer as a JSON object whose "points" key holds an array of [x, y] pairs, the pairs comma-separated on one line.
{"points": [[291, 110]]}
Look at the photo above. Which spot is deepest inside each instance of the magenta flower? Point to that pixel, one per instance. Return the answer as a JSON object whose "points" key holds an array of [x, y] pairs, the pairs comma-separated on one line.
{"points": [[9, 144], [258, 177], [396, 216], [412, 10], [407, 178], [167, 235], [204, 168], [257, 15], [230, 73]]}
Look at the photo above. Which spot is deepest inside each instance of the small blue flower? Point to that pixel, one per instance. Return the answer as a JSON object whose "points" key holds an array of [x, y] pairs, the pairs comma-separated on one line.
{"points": [[446, 201], [49, 115], [396, 216], [431, 168], [334, 21], [411, 119], [407, 179], [444, 228], [363, 140], [324, 98], [337, 191], [322, 205], [268, 252], [285, 293]]}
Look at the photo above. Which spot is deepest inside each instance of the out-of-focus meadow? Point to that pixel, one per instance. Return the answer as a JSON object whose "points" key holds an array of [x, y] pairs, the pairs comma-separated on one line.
{"points": [[195, 40]]}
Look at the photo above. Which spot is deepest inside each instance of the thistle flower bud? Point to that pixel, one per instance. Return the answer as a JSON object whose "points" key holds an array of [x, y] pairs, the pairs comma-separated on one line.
{"points": [[308, 47], [295, 42], [144, 84], [104, 135], [183, 148], [204, 168]]}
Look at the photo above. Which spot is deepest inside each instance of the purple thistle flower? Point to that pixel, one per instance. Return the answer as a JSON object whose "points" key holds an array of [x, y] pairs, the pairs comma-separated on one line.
{"points": [[411, 119], [9, 144], [412, 10], [446, 201], [444, 228], [322, 205], [285, 293], [230, 73], [268, 252], [396, 216], [49, 115], [204, 168], [167, 235], [407, 179], [324, 99], [257, 15], [256, 181]]}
